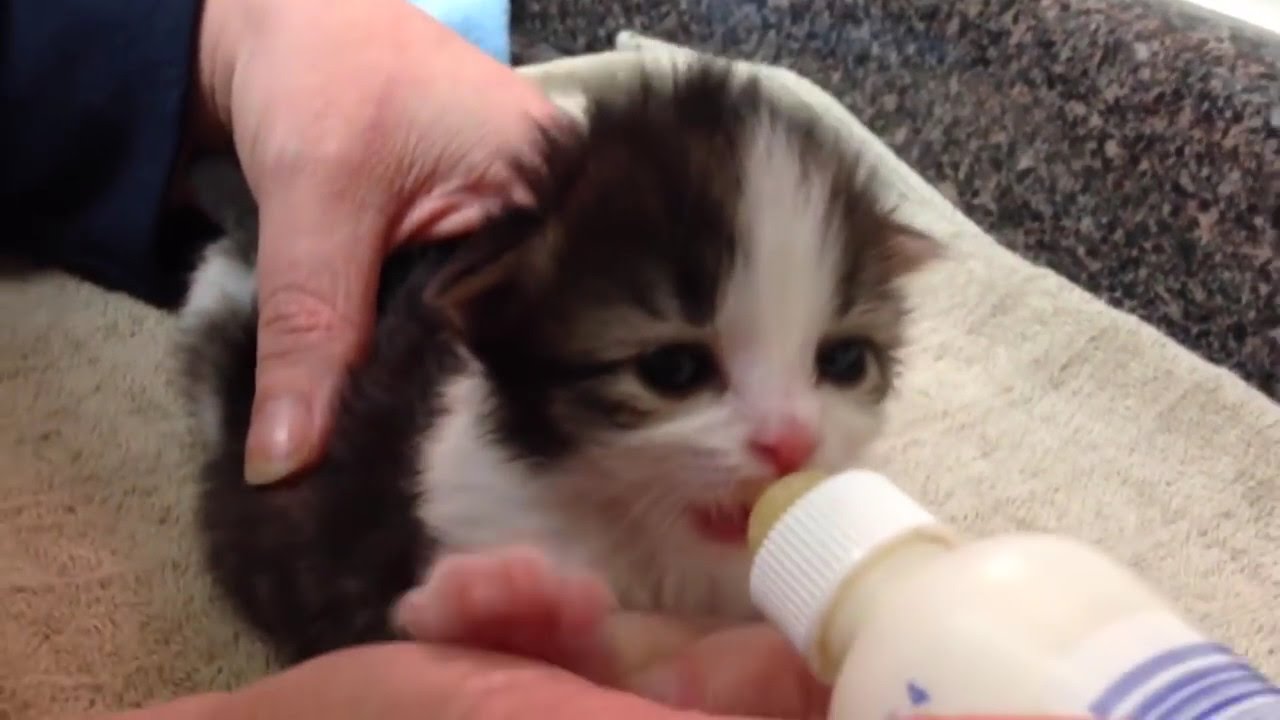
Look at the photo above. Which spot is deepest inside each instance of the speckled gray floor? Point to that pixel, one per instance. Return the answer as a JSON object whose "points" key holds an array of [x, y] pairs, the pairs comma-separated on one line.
{"points": [[1132, 148]]}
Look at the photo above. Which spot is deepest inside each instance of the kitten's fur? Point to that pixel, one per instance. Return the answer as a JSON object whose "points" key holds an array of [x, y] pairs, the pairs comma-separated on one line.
{"points": [[501, 403]]}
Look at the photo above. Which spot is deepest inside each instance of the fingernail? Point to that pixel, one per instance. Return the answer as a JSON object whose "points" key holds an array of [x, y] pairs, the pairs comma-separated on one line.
{"points": [[408, 608], [277, 441], [522, 197]]}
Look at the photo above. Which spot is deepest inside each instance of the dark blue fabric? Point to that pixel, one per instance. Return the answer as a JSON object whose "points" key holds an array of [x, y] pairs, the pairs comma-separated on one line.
{"points": [[93, 99]]}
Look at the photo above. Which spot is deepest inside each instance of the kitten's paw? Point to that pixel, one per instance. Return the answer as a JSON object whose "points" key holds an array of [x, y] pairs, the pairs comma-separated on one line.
{"points": [[511, 600]]}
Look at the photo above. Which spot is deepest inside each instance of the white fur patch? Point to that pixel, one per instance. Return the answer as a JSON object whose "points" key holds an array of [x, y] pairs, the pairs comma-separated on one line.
{"points": [[221, 284], [475, 497], [222, 287], [780, 300], [779, 297]]}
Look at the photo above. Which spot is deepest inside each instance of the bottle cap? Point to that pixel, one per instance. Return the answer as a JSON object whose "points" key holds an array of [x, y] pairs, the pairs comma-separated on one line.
{"points": [[804, 552]]}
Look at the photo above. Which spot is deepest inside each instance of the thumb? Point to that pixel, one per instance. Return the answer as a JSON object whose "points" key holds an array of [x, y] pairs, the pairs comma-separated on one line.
{"points": [[317, 273]]}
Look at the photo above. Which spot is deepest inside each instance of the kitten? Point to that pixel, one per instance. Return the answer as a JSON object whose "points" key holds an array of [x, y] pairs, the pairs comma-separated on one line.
{"points": [[702, 300]]}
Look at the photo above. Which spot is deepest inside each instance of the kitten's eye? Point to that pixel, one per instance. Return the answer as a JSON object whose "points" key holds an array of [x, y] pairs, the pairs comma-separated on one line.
{"points": [[843, 361], [676, 369]]}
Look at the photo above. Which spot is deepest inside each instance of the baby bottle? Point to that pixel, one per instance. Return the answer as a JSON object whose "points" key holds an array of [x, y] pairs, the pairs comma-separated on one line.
{"points": [[905, 619]]}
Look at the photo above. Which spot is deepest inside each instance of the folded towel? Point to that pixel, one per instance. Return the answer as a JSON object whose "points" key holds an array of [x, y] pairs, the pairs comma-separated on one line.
{"points": [[484, 23]]}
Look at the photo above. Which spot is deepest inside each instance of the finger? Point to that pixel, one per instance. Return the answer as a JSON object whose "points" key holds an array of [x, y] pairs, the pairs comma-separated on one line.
{"points": [[444, 213], [748, 670], [497, 687], [318, 268], [637, 641], [453, 207], [409, 680]]}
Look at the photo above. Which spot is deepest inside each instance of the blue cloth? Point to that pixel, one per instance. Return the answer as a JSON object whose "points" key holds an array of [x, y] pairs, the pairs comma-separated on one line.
{"points": [[484, 23]]}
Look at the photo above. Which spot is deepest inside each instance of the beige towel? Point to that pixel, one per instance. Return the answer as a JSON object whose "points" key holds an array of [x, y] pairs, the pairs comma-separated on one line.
{"points": [[1026, 403]]}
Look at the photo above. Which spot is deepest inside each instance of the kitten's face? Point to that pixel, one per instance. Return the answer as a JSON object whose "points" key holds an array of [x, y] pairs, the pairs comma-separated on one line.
{"points": [[708, 306]]}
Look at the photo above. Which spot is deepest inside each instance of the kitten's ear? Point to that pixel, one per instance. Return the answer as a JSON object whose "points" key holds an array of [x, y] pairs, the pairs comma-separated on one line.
{"points": [[492, 266], [908, 249], [504, 263]]}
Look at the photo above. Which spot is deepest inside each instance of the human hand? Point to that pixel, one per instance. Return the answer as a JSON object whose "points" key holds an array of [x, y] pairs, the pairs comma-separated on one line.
{"points": [[737, 673], [515, 600], [359, 125], [733, 670]]}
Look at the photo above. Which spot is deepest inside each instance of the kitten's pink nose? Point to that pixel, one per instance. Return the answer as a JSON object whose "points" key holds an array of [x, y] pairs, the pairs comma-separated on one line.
{"points": [[786, 446]]}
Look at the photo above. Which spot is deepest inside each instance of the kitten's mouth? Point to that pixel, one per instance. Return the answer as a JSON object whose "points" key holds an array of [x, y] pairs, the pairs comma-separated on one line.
{"points": [[726, 524]]}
